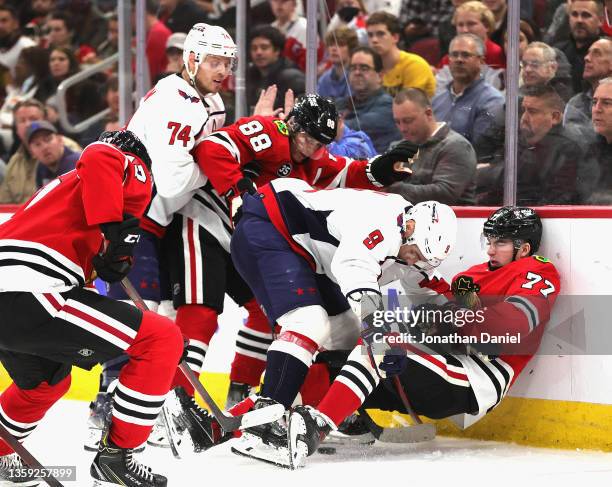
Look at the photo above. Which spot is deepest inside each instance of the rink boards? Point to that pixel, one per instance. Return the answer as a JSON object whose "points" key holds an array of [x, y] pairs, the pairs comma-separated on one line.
{"points": [[561, 400]]}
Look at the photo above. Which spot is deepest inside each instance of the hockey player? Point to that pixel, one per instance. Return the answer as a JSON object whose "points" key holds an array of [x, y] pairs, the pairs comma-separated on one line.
{"points": [[184, 227], [515, 291], [82, 223], [310, 256], [258, 149]]}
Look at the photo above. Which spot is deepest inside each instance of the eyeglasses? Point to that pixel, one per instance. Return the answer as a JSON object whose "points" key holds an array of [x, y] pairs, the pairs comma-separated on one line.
{"points": [[364, 68], [462, 55], [533, 64]]}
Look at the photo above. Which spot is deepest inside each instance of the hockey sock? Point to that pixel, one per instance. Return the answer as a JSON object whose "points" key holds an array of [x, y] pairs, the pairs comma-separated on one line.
{"points": [[315, 385], [198, 323], [111, 370], [22, 409], [352, 386], [145, 380], [252, 344], [289, 359]]}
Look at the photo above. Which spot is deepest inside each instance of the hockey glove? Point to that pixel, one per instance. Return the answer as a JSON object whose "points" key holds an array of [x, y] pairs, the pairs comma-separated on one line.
{"points": [[394, 362], [382, 170], [115, 262], [234, 196]]}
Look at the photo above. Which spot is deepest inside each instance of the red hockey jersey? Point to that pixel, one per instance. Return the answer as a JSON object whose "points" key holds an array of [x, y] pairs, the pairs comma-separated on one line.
{"points": [[516, 300], [264, 142], [49, 243]]}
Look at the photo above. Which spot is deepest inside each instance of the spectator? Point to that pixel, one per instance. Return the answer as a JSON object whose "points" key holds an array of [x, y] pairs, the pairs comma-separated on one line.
{"points": [[333, 83], [539, 66], [585, 29], [527, 34], [419, 40], [468, 102], [602, 149], [548, 155], [11, 40], [389, 6], [157, 35], [110, 45], [90, 26], [444, 168], [40, 10], [180, 15], [31, 81], [62, 64], [20, 177], [597, 66], [61, 32], [474, 17], [111, 101], [400, 68], [351, 14], [293, 27], [174, 53], [351, 143], [446, 28], [270, 67], [369, 107], [558, 29], [499, 8], [48, 150], [431, 13]]}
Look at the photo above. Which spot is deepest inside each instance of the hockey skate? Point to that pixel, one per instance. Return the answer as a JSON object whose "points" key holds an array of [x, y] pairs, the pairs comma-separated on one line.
{"points": [[307, 429], [236, 393], [117, 466], [99, 420], [204, 430], [9, 464], [353, 430], [266, 442], [159, 436]]}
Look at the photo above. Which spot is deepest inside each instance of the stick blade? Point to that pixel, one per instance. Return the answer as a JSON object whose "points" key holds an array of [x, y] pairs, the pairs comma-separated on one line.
{"points": [[408, 434]]}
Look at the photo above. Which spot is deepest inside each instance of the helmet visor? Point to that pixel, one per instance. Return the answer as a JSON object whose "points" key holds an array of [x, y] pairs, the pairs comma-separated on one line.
{"points": [[308, 145]]}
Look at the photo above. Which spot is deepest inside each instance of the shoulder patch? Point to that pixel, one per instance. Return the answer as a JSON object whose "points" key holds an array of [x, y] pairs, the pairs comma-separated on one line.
{"points": [[282, 127], [192, 99], [539, 258]]}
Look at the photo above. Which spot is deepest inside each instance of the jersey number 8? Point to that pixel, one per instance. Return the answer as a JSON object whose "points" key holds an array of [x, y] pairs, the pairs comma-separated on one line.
{"points": [[258, 142]]}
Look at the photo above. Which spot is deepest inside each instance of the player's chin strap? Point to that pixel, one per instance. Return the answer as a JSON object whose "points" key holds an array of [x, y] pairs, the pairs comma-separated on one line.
{"points": [[229, 423]]}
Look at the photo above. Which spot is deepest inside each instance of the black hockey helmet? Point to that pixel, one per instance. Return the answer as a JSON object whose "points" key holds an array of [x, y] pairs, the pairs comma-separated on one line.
{"points": [[127, 141], [315, 115], [518, 223]]}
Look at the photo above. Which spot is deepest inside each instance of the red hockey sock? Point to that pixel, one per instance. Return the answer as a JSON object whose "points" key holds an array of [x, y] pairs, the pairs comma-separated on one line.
{"points": [[316, 385], [242, 407], [145, 380], [198, 323], [339, 403], [252, 344], [21, 410]]}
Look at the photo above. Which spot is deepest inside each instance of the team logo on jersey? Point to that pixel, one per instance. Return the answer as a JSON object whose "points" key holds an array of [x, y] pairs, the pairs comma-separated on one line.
{"points": [[192, 99], [86, 352], [284, 170], [282, 127], [539, 258], [464, 285]]}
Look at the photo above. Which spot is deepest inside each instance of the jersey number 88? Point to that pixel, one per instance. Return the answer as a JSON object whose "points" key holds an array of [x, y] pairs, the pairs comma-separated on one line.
{"points": [[258, 142]]}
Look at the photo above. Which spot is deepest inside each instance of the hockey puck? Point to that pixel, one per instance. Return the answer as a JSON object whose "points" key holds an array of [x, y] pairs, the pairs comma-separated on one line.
{"points": [[326, 450]]}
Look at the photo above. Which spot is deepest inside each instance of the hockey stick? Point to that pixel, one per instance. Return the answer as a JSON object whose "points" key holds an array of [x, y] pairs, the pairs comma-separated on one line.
{"points": [[227, 422], [28, 458]]}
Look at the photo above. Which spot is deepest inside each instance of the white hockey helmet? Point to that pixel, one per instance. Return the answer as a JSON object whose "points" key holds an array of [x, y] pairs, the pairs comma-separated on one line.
{"points": [[204, 39], [435, 230]]}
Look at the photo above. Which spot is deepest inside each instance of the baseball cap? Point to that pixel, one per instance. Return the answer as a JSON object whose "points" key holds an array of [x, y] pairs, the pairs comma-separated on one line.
{"points": [[38, 126], [176, 41]]}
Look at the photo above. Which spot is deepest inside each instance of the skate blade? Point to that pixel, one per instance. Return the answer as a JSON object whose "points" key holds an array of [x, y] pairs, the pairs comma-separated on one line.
{"points": [[298, 450], [337, 438], [31, 483], [260, 451]]}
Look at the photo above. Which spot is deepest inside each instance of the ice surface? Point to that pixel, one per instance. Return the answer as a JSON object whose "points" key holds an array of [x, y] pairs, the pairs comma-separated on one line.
{"points": [[445, 462]]}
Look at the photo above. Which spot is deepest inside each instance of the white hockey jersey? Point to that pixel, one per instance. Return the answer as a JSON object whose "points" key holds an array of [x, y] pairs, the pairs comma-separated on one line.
{"points": [[170, 121], [350, 235]]}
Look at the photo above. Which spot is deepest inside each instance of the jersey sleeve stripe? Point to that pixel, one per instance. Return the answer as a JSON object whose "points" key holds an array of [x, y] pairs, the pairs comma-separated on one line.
{"points": [[224, 140], [527, 307]]}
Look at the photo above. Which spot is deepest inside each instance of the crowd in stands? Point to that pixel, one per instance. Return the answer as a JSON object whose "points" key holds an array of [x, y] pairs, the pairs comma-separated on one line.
{"points": [[429, 71]]}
